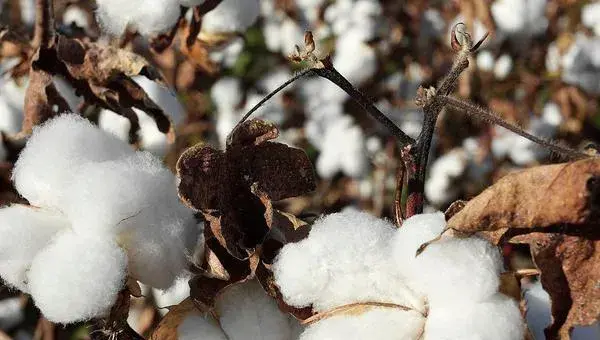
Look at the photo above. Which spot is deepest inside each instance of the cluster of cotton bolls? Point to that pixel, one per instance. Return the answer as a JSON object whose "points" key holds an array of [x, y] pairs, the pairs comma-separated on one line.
{"points": [[245, 312], [158, 16], [100, 213], [449, 291]]}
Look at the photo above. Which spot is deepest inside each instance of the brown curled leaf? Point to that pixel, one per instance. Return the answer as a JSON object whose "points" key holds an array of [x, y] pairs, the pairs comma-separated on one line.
{"points": [[233, 189], [570, 273], [539, 197]]}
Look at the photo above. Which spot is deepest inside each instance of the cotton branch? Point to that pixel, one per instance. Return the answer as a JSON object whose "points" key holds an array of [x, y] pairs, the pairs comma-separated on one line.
{"points": [[44, 32]]}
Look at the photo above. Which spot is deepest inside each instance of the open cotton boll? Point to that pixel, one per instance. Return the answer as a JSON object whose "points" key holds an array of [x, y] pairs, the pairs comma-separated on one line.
{"points": [[25, 231], [196, 326], [227, 55], [231, 16], [378, 323], [590, 17], [173, 295], [149, 17], [503, 66], [517, 17], [354, 60], [76, 15], [227, 93], [497, 318], [114, 124], [485, 61], [455, 270], [343, 149], [60, 146], [343, 260], [246, 312], [77, 278], [439, 187]]}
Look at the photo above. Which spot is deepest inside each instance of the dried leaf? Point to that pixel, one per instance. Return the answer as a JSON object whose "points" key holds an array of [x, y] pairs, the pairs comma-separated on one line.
{"points": [[538, 197], [167, 328], [570, 273], [233, 189]]}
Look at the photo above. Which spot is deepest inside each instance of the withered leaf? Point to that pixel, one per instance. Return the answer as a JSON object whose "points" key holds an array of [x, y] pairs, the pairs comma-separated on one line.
{"points": [[42, 99], [544, 196], [570, 273], [167, 328], [224, 186]]}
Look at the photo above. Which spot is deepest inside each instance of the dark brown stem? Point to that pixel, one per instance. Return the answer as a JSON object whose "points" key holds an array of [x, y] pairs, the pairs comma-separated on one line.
{"points": [[43, 35], [330, 73], [488, 116]]}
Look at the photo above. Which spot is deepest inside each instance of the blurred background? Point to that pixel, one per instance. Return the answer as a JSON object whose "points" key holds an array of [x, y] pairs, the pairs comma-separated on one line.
{"points": [[539, 68]]}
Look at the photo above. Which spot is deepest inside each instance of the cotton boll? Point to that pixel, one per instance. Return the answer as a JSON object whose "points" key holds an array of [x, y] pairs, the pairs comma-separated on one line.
{"points": [[136, 200], [227, 93], [151, 138], [439, 188], [354, 60], [503, 66], [60, 146], [246, 312], [231, 16], [114, 124], [10, 119], [76, 15], [290, 31], [498, 318], [172, 296], [11, 312], [77, 278], [455, 270], [415, 231], [196, 326], [343, 260], [590, 16], [522, 18], [149, 17], [343, 150], [485, 61], [227, 55], [25, 231], [377, 323]]}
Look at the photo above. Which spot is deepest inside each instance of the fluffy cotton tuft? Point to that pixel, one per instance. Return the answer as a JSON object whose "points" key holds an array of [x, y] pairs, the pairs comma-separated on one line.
{"points": [[231, 16], [149, 17], [450, 289], [247, 312], [195, 327], [77, 278], [379, 323], [60, 147], [25, 231]]}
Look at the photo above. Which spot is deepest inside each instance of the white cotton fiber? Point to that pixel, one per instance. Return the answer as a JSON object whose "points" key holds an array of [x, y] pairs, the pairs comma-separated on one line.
{"points": [[25, 231], [378, 323], [354, 60], [60, 147], [455, 270], [246, 312], [344, 260], [135, 199], [503, 66], [227, 93], [77, 278], [190, 3], [173, 295], [440, 187], [485, 61], [343, 149], [76, 15], [196, 327], [149, 17], [231, 16], [498, 318], [114, 124], [537, 310]]}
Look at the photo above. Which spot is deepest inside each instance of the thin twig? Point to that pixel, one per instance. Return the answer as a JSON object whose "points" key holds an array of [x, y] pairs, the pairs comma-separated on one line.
{"points": [[486, 115], [330, 73], [44, 32]]}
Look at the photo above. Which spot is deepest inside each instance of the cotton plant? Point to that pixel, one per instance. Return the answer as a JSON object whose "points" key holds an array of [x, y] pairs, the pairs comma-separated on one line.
{"points": [[148, 17], [353, 259], [244, 312], [100, 213], [231, 16], [580, 64], [522, 151], [520, 20]]}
